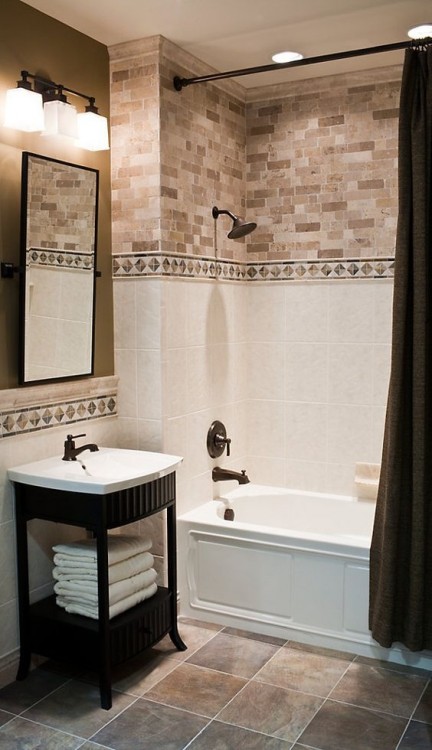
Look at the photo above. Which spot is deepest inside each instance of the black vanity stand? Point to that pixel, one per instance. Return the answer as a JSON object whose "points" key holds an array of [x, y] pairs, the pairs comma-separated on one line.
{"points": [[49, 630]]}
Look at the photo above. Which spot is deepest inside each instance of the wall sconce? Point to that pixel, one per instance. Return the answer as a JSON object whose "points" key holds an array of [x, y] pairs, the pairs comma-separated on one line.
{"points": [[44, 108], [24, 107], [60, 117]]}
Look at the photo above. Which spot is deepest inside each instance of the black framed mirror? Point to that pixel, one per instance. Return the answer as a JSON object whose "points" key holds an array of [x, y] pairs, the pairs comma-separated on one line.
{"points": [[59, 212]]}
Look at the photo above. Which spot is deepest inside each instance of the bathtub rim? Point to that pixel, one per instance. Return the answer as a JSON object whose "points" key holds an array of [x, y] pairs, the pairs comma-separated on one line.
{"points": [[205, 517]]}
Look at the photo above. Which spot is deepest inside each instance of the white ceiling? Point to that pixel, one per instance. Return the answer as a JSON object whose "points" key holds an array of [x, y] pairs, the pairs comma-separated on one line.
{"points": [[234, 34]]}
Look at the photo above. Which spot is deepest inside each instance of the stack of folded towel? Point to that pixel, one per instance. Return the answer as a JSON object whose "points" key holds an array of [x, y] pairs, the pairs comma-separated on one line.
{"points": [[131, 575]]}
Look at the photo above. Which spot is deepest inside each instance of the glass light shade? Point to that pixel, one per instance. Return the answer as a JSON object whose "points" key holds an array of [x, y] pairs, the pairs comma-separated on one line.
{"points": [[60, 119], [24, 110], [92, 131]]}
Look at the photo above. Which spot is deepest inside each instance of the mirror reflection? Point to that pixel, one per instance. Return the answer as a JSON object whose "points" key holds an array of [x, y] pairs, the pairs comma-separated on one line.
{"points": [[59, 220]]}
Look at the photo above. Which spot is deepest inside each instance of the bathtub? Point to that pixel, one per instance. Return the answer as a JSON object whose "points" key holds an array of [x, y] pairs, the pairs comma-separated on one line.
{"points": [[291, 564]]}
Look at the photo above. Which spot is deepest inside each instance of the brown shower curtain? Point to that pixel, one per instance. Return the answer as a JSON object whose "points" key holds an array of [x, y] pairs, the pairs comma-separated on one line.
{"points": [[401, 551]]}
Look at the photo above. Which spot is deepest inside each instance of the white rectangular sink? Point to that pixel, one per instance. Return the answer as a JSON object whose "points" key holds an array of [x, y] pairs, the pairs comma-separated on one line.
{"points": [[106, 470]]}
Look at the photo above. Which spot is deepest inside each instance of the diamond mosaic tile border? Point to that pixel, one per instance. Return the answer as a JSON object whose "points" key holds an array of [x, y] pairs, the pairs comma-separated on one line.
{"points": [[39, 256], [349, 268], [20, 421], [186, 266], [132, 265]]}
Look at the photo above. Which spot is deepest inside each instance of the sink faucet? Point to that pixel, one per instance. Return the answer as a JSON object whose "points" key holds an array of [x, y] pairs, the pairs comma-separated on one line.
{"points": [[221, 475], [70, 452]]}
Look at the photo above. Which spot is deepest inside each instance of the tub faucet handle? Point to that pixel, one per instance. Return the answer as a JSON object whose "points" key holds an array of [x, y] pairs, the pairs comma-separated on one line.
{"points": [[217, 440], [221, 440]]}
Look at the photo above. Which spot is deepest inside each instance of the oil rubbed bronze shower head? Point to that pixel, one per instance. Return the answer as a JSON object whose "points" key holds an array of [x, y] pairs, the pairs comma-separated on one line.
{"points": [[240, 227]]}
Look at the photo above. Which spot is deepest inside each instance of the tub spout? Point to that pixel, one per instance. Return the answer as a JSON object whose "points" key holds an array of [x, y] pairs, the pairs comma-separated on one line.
{"points": [[222, 475]]}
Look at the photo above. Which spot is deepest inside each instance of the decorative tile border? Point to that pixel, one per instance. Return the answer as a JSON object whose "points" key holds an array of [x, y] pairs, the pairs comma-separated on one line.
{"points": [[39, 256], [20, 421], [185, 266], [190, 266], [347, 268]]}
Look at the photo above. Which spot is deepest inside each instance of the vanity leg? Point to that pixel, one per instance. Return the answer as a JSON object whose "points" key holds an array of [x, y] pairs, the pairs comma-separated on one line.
{"points": [[23, 587], [176, 639], [104, 625], [105, 694], [24, 665], [172, 576]]}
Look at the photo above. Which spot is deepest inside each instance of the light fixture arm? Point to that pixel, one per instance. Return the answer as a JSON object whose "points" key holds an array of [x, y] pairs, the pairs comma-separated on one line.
{"points": [[47, 87]]}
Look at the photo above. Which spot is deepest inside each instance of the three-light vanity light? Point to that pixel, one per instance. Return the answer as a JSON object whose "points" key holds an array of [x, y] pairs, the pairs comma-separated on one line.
{"points": [[43, 107]]}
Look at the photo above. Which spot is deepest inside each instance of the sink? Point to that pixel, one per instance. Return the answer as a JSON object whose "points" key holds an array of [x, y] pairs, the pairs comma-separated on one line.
{"points": [[107, 470]]}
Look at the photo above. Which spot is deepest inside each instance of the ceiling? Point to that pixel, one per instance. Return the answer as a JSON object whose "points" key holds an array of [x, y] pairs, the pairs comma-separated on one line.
{"points": [[234, 34]]}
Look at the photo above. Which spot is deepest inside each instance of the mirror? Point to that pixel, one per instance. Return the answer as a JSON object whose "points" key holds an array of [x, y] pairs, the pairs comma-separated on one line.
{"points": [[58, 255]]}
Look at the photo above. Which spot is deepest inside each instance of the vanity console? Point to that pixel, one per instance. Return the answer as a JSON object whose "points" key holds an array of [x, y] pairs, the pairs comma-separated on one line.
{"points": [[47, 629]]}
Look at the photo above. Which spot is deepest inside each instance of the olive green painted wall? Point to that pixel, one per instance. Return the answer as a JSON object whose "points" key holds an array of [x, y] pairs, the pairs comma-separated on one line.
{"points": [[33, 41]]}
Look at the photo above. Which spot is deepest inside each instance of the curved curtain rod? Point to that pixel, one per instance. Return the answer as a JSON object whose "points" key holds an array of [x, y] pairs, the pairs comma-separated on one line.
{"points": [[180, 83]]}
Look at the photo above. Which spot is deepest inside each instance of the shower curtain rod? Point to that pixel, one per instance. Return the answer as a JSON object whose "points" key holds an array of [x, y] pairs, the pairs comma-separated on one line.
{"points": [[180, 83]]}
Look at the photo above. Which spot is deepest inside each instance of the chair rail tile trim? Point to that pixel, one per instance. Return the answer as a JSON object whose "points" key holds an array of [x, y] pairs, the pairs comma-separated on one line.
{"points": [[133, 265], [44, 415], [39, 256]]}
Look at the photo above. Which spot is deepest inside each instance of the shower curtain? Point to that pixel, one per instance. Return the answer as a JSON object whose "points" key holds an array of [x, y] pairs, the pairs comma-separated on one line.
{"points": [[401, 551]]}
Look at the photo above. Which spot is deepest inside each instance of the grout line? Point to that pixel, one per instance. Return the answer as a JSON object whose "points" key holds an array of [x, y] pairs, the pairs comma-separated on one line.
{"points": [[393, 666], [46, 726], [323, 703], [367, 708], [12, 717], [403, 734], [188, 744], [176, 708], [113, 718], [339, 680], [104, 747], [47, 695], [413, 712]]}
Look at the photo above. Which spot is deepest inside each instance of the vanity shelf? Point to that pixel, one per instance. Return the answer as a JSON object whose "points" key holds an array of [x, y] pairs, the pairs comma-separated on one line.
{"points": [[48, 630]]}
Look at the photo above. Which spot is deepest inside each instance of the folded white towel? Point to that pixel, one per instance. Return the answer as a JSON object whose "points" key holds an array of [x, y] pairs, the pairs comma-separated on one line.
{"points": [[120, 547], [88, 571], [88, 592], [88, 610]]}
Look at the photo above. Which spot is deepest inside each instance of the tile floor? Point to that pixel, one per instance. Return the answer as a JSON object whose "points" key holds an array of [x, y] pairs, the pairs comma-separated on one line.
{"points": [[230, 690]]}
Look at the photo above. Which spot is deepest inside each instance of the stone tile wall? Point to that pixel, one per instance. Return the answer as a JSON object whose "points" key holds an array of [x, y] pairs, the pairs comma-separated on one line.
{"points": [[203, 159], [314, 162], [322, 166], [135, 153], [61, 206], [174, 155]]}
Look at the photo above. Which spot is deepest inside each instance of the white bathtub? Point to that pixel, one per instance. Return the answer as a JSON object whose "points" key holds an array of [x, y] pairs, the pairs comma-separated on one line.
{"points": [[291, 564]]}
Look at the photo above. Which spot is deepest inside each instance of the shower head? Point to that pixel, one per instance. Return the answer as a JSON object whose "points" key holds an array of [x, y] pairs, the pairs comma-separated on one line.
{"points": [[240, 227]]}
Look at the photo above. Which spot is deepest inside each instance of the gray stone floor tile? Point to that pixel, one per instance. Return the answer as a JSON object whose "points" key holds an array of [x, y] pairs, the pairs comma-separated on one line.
{"points": [[19, 696], [271, 710], [340, 727], [418, 736], [304, 670], [21, 734], [218, 736], [150, 726], [233, 655], [75, 708], [202, 691], [380, 689]]}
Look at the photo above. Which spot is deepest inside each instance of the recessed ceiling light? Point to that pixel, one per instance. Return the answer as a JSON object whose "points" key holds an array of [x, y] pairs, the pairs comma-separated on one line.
{"points": [[421, 32], [284, 57]]}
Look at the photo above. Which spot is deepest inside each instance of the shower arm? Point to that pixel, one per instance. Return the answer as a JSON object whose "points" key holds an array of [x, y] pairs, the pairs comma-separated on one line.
{"points": [[216, 212]]}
